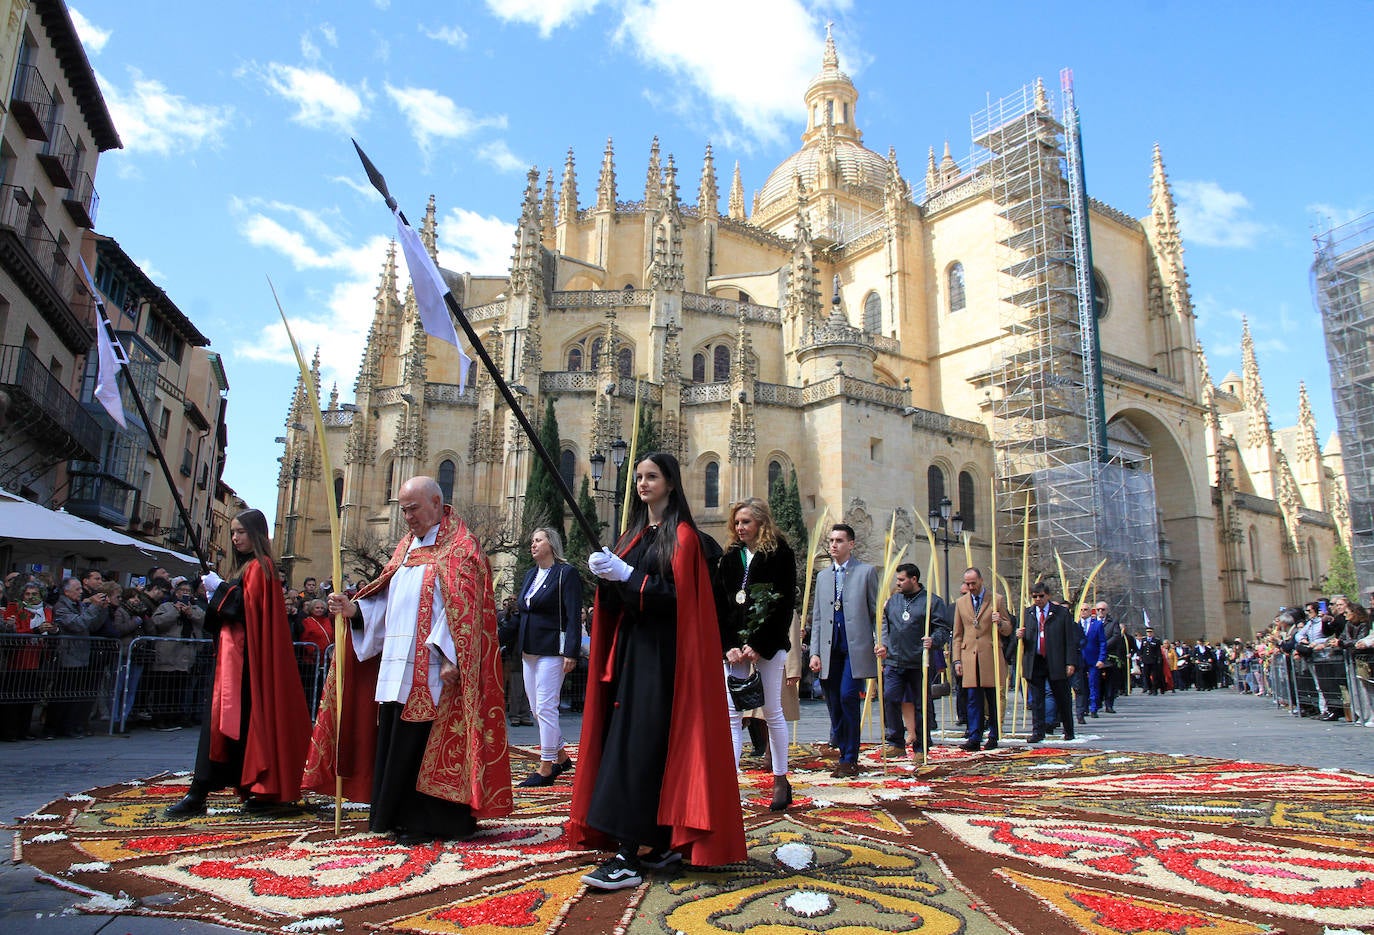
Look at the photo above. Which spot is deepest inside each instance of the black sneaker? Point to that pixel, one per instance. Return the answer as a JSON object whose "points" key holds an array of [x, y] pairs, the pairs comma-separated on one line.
{"points": [[659, 860], [618, 873]]}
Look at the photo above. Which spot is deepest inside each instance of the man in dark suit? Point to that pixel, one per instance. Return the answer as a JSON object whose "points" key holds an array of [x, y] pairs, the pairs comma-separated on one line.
{"points": [[842, 638], [1050, 644], [1114, 671], [1152, 662]]}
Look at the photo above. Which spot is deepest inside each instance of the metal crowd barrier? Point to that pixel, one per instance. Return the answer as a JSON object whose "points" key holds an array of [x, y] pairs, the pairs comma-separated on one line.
{"points": [[62, 673], [1327, 680]]}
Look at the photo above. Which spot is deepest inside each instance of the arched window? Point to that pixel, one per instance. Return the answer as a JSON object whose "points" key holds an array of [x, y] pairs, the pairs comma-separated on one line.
{"points": [[968, 506], [698, 368], [338, 495], [575, 359], [711, 495], [1314, 575], [720, 363], [774, 473], [873, 314], [596, 353], [935, 487], [625, 362], [954, 286], [567, 464], [446, 474], [1256, 566], [390, 481], [1102, 296]]}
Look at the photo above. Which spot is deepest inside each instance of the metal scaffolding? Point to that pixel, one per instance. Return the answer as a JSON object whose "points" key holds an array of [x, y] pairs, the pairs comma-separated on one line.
{"points": [[1343, 288], [1087, 502]]}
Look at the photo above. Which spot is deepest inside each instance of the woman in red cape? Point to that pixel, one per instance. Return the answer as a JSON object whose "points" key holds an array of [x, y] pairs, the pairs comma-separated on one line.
{"points": [[650, 781], [258, 731]]}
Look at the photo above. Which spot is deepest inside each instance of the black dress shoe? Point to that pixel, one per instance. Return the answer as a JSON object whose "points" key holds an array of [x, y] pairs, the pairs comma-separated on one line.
{"points": [[782, 794], [562, 767], [1111, 710], [1068, 736], [188, 807], [970, 745], [1082, 719], [1036, 738], [535, 779], [990, 745]]}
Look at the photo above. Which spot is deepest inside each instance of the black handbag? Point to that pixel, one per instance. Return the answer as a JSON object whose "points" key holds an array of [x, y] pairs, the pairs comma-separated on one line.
{"points": [[747, 692], [227, 601]]}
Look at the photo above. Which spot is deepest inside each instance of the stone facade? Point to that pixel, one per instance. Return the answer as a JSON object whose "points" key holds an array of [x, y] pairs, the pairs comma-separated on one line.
{"points": [[842, 329]]}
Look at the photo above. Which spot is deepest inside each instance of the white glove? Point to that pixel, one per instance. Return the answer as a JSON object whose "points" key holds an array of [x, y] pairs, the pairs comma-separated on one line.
{"points": [[606, 564], [211, 582]]}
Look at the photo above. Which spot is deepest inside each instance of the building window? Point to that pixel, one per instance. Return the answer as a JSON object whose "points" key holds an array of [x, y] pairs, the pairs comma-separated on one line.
{"points": [[390, 481], [447, 470], [575, 359], [1101, 295], [625, 363], [1256, 566], [1314, 576], [954, 286], [720, 363], [567, 465], [968, 507], [935, 488], [873, 314], [597, 345], [712, 492], [698, 368], [774, 473], [338, 495]]}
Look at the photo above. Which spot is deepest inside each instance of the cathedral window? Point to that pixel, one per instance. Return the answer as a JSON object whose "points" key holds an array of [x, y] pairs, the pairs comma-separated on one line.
{"points": [[698, 368], [720, 363], [1256, 566], [567, 465], [774, 473], [338, 495], [597, 344], [954, 286], [625, 362], [390, 481], [873, 313], [446, 473], [712, 492], [935, 487], [968, 506], [575, 359], [1313, 565], [1101, 295]]}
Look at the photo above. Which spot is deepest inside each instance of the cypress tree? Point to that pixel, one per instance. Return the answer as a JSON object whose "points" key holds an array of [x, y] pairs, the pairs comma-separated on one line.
{"points": [[543, 501], [784, 499], [1340, 576], [578, 546]]}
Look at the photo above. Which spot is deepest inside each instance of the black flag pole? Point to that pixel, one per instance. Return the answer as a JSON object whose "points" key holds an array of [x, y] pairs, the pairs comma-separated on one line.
{"points": [[588, 529], [104, 322]]}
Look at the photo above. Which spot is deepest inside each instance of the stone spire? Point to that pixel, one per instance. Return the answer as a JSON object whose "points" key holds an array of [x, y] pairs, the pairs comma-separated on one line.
{"points": [[1042, 100], [1252, 390], [949, 169], [897, 189], [547, 209], [567, 201], [932, 175], [334, 396], [605, 409], [429, 231], [670, 192], [708, 199], [803, 294], [525, 264], [296, 414], [1309, 450], [653, 180], [385, 324], [1168, 242], [605, 185], [737, 195]]}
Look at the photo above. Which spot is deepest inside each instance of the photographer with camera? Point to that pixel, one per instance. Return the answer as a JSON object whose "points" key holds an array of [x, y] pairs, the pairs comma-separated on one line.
{"points": [[179, 620]]}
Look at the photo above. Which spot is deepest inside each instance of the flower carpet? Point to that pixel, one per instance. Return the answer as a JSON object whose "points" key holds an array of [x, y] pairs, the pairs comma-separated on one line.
{"points": [[1020, 840]]}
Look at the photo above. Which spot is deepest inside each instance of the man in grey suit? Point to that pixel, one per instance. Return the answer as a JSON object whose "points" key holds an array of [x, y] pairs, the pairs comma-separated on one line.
{"points": [[842, 639]]}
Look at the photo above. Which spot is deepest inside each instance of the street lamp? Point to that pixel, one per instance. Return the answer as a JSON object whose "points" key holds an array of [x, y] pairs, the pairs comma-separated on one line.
{"points": [[619, 450], [942, 522]]}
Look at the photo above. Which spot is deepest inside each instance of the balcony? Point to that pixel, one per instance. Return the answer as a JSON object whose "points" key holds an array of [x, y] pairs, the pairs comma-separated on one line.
{"points": [[145, 520], [31, 102], [60, 158], [38, 262], [99, 497], [82, 201], [41, 407]]}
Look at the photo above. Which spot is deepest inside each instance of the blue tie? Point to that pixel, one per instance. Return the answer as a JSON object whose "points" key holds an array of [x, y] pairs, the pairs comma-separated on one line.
{"points": [[840, 643]]}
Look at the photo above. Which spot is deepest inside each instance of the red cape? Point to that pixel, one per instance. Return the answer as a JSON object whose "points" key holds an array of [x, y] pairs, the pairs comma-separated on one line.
{"points": [[278, 719], [354, 760], [700, 799]]}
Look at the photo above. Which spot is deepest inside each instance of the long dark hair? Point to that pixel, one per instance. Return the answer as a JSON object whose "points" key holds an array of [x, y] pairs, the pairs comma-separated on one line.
{"points": [[675, 512], [255, 525]]}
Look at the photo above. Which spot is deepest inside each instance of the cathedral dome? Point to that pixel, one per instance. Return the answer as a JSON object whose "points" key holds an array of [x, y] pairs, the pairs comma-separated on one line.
{"points": [[832, 154]]}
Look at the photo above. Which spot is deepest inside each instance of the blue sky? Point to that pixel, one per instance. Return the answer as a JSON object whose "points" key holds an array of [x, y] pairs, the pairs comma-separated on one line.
{"points": [[237, 165]]}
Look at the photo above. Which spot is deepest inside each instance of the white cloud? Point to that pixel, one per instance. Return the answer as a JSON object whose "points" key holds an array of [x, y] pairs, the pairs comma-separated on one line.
{"points": [[471, 242], [548, 15], [152, 119], [92, 36], [433, 116], [498, 154], [310, 49], [1211, 216], [362, 188], [322, 101], [449, 35]]}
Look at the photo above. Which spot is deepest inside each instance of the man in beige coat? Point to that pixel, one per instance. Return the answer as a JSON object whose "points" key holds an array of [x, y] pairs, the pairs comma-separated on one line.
{"points": [[973, 649]]}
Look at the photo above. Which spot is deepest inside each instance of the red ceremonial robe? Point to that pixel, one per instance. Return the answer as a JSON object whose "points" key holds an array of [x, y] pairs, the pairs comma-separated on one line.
{"points": [[466, 759], [699, 800], [278, 719]]}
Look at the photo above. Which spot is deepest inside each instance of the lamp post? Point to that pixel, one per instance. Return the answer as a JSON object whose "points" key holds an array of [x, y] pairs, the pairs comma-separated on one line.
{"points": [[942, 522], [619, 450]]}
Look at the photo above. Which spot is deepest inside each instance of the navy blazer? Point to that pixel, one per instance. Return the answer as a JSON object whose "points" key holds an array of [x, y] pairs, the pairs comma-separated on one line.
{"points": [[553, 615]]}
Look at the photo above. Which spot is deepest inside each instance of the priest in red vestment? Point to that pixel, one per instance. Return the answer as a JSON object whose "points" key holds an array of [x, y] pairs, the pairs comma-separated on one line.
{"points": [[429, 669]]}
